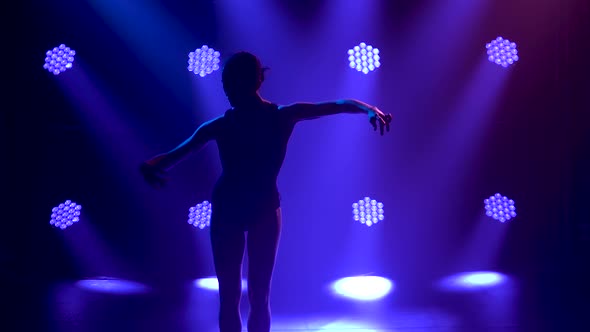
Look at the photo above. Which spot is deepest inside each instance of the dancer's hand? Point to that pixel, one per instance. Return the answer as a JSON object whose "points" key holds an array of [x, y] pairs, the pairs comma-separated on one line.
{"points": [[377, 116], [153, 175]]}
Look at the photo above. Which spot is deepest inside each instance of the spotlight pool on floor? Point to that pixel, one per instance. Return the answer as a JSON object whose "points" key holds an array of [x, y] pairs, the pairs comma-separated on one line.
{"points": [[362, 288]]}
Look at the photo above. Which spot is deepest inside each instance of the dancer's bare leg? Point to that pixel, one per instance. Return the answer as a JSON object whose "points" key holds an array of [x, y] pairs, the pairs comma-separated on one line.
{"points": [[262, 244], [228, 244]]}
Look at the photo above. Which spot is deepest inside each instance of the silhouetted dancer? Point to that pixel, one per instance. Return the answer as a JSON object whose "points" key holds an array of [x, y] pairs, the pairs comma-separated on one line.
{"points": [[252, 140]]}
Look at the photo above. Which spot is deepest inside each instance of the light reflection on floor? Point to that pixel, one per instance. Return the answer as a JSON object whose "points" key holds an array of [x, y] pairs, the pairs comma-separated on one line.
{"points": [[473, 281], [194, 309], [211, 283], [113, 286], [363, 288]]}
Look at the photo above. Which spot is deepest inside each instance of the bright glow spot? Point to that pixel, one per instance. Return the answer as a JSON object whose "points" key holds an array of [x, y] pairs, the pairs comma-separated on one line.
{"points": [[203, 61], [200, 215], [113, 286], [350, 326], [363, 288], [368, 211], [65, 214], [502, 52], [364, 58], [500, 208], [473, 280], [212, 284], [59, 59]]}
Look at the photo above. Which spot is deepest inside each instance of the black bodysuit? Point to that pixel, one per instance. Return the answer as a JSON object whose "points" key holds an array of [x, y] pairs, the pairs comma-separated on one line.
{"points": [[252, 144]]}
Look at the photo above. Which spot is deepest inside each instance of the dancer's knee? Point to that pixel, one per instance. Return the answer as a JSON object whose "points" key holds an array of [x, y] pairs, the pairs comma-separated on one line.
{"points": [[258, 301], [229, 300]]}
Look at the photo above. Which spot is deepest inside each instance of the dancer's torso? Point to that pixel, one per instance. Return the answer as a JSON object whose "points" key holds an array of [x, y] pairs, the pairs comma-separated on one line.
{"points": [[252, 144]]}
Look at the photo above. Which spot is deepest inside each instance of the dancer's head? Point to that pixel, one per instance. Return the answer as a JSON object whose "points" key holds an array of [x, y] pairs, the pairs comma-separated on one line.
{"points": [[242, 76]]}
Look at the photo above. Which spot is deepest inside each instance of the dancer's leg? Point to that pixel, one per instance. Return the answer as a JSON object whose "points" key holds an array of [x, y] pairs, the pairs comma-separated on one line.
{"points": [[228, 250], [263, 238]]}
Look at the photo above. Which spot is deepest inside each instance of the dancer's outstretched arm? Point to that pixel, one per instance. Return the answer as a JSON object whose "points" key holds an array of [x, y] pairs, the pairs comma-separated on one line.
{"points": [[154, 169], [306, 111]]}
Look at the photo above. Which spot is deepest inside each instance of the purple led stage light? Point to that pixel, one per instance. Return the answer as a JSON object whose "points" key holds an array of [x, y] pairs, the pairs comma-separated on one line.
{"points": [[500, 208], [200, 215], [203, 61], [368, 211], [59, 59], [65, 214], [502, 52], [364, 58]]}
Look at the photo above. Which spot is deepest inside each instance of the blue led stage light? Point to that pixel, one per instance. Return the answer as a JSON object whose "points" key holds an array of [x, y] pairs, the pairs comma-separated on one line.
{"points": [[368, 211], [502, 52], [500, 208], [364, 58], [59, 59], [200, 215], [65, 214], [203, 61]]}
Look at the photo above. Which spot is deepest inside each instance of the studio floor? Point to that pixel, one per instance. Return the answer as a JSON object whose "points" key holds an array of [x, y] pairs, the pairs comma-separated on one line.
{"points": [[68, 306]]}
